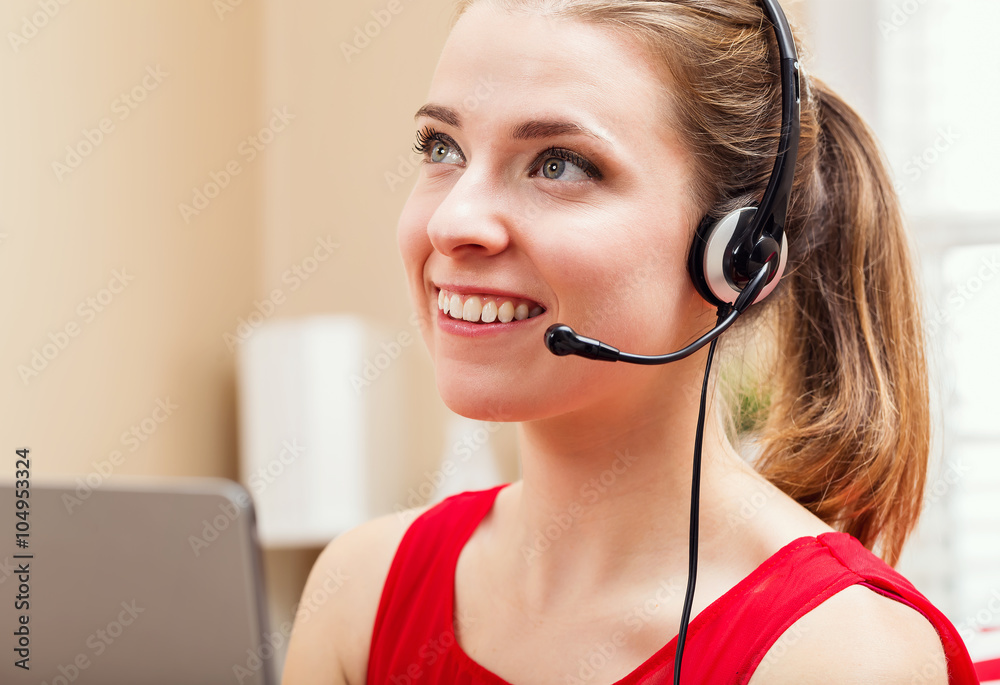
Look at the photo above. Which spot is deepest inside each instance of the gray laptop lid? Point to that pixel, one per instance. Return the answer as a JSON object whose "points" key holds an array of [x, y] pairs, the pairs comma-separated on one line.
{"points": [[137, 582]]}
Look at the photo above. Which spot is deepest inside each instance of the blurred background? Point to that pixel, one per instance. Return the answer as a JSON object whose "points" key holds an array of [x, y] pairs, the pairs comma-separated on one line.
{"points": [[198, 264]]}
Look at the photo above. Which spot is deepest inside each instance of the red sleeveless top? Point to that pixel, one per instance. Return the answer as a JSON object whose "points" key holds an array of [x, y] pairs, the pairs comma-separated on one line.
{"points": [[413, 641]]}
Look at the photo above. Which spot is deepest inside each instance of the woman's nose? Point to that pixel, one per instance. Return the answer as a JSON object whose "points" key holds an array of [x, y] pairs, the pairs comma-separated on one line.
{"points": [[471, 219]]}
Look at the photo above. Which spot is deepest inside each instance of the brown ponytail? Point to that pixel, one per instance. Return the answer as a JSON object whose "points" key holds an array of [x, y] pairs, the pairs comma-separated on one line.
{"points": [[847, 430]]}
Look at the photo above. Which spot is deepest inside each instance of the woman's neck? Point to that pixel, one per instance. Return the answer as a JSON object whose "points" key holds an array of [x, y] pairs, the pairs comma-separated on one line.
{"points": [[605, 498]]}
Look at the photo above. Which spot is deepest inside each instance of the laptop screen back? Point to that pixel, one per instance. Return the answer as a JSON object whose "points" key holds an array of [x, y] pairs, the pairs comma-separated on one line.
{"points": [[135, 581]]}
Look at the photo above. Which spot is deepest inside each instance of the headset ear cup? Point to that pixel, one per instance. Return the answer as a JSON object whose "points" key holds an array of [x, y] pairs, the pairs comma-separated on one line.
{"points": [[713, 247], [696, 260], [710, 258]]}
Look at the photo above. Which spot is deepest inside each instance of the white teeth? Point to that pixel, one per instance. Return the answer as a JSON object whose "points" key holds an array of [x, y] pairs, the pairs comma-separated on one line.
{"points": [[473, 309], [490, 312], [486, 308], [506, 312], [455, 307]]}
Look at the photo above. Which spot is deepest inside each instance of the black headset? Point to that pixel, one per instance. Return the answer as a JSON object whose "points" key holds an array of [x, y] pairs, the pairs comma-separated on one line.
{"points": [[727, 253], [734, 262]]}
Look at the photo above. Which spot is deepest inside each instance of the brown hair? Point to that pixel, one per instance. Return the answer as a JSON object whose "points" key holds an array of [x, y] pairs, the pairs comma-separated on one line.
{"points": [[847, 432]]}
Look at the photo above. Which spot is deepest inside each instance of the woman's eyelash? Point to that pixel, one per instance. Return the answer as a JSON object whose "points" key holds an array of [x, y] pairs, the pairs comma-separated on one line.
{"points": [[424, 137], [427, 136]]}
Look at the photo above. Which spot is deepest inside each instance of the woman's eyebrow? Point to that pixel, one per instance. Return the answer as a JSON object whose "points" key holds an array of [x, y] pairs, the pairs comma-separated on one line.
{"points": [[528, 130], [444, 114]]}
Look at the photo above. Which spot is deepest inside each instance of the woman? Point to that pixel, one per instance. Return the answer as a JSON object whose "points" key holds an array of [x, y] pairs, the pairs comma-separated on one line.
{"points": [[569, 190]]}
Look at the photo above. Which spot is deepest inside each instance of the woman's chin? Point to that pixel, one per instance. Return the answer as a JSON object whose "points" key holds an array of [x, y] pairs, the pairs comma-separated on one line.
{"points": [[506, 402], [476, 400]]}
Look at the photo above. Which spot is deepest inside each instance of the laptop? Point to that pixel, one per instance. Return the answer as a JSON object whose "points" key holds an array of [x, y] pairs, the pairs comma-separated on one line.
{"points": [[133, 581]]}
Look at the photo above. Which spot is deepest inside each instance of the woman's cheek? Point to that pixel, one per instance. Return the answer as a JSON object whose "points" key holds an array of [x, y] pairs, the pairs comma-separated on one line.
{"points": [[416, 250], [411, 237]]}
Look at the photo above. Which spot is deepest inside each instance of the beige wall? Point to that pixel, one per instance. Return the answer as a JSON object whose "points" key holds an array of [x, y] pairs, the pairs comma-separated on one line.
{"points": [[67, 232]]}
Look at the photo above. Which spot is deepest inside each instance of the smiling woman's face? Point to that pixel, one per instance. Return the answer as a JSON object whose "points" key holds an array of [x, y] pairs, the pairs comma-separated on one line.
{"points": [[550, 181]]}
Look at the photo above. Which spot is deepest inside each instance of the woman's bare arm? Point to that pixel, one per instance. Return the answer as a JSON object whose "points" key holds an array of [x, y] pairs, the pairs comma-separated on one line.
{"points": [[334, 621]]}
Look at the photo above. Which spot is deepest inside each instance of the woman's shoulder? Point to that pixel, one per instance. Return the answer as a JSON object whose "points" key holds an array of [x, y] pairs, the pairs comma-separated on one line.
{"points": [[856, 636], [334, 621]]}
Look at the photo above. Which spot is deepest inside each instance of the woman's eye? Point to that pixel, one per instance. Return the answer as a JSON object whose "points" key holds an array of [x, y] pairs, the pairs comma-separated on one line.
{"points": [[563, 165], [556, 168], [440, 152], [438, 148]]}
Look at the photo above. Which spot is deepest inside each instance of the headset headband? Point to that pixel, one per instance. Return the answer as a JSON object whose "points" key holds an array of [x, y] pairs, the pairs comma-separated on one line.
{"points": [[728, 252], [773, 209]]}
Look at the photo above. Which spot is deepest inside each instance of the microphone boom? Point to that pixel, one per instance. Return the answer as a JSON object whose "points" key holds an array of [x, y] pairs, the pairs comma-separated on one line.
{"points": [[563, 340]]}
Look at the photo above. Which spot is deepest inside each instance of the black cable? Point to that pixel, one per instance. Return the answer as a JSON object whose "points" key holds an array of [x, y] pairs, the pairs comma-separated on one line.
{"points": [[695, 491]]}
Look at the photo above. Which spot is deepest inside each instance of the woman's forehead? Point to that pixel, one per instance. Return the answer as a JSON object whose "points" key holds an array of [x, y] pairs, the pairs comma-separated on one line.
{"points": [[531, 66]]}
